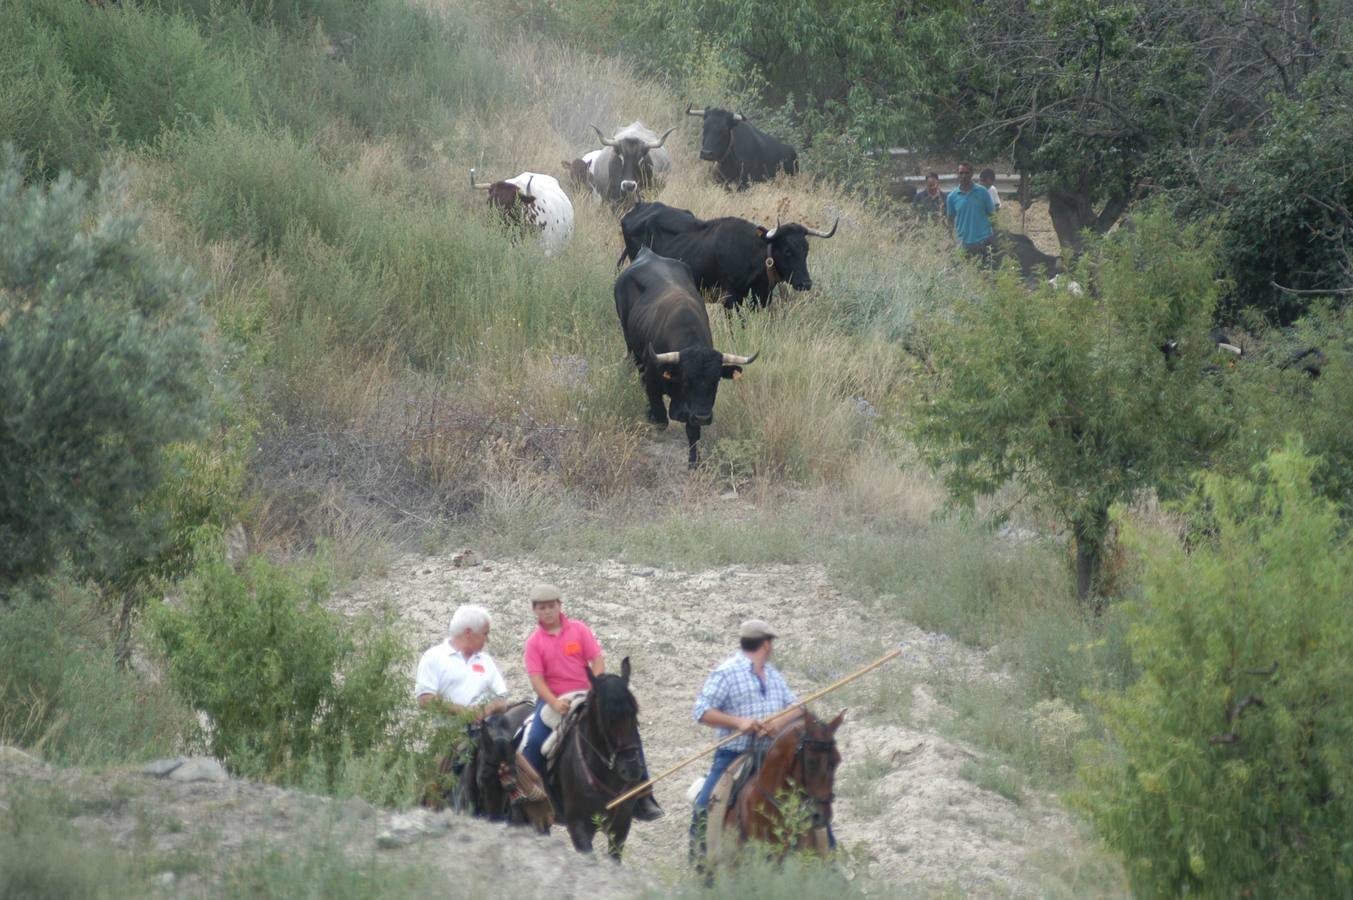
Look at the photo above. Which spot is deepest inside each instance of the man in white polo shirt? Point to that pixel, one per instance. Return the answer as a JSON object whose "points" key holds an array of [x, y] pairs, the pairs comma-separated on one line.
{"points": [[456, 675]]}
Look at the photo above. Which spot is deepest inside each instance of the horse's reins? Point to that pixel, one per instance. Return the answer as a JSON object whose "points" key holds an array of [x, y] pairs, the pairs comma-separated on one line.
{"points": [[818, 746], [609, 759]]}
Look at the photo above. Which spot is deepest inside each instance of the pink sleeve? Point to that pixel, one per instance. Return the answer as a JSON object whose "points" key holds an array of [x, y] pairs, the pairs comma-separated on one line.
{"points": [[534, 661], [591, 649]]}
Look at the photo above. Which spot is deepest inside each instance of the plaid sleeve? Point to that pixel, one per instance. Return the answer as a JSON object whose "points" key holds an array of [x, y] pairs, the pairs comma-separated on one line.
{"points": [[713, 695]]}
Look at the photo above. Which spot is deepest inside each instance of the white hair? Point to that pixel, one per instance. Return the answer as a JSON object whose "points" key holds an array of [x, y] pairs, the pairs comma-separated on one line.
{"points": [[471, 617]]}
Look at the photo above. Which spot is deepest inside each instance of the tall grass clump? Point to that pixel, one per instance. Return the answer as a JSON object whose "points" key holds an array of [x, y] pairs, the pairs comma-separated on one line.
{"points": [[322, 867], [55, 124], [154, 71], [756, 878], [1230, 766], [42, 855], [61, 693]]}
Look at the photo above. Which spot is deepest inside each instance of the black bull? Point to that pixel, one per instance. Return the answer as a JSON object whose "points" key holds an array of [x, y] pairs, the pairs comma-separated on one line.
{"points": [[730, 254], [667, 332], [741, 153]]}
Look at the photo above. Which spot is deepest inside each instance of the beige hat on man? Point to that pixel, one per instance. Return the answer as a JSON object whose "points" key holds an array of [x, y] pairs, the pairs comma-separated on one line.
{"points": [[545, 593], [755, 628]]}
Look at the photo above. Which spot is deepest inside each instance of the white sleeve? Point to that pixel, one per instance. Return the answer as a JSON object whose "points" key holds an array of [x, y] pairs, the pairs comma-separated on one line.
{"points": [[498, 687], [426, 682], [995, 197]]}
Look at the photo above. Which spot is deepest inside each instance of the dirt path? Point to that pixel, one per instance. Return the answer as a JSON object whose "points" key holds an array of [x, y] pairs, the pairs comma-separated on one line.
{"points": [[902, 803]]}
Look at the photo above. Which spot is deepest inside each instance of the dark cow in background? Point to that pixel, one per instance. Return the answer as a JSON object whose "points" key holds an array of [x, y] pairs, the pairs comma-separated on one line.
{"points": [[741, 153], [667, 332], [633, 160], [730, 254], [580, 171]]}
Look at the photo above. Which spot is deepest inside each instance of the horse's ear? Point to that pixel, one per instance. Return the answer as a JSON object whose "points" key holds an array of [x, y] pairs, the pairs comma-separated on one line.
{"points": [[625, 671], [836, 723]]}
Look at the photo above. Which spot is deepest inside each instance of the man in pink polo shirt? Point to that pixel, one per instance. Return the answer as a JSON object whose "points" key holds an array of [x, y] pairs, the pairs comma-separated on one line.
{"points": [[558, 654]]}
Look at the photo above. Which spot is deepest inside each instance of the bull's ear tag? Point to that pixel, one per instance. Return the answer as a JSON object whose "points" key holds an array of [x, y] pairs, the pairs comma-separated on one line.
{"points": [[737, 373], [666, 374]]}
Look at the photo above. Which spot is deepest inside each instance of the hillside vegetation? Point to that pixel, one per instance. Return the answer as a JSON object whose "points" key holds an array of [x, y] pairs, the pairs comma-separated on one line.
{"points": [[248, 297]]}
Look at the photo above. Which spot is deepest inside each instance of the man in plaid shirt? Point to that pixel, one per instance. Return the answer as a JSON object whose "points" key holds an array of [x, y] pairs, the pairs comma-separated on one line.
{"points": [[740, 694]]}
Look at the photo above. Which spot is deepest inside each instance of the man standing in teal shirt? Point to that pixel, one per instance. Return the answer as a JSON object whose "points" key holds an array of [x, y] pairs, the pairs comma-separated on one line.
{"points": [[970, 208]]}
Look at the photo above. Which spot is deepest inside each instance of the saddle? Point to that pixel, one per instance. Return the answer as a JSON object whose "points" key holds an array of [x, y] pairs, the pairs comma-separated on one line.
{"points": [[561, 725], [725, 794]]}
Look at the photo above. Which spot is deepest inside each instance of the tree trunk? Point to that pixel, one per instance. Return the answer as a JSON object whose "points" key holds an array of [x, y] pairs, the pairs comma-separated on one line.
{"points": [[1071, 213], [1089, 533], [122, 640]]}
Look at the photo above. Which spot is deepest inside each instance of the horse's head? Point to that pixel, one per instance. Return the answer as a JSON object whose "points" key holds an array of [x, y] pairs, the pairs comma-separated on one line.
{"points": [[816, 759], [495, 741], [614, 715]]}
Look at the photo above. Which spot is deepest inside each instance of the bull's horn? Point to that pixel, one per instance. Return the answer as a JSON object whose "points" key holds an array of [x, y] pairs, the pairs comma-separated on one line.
{"points": [[739, 117], [731, 359], [526, 194], [671, 358], [605, 141], [481, 187], [694, 112], [1230, 348], [660, 140], [770, 235], [815, 233]]}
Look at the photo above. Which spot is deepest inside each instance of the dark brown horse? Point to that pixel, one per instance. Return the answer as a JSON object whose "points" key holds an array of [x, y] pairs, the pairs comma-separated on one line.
{"points": [[600, 759], [489, 785], [788, 802]]}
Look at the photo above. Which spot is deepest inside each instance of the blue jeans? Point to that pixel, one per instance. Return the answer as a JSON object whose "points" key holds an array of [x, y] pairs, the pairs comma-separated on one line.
{"points": [[535, 739]]}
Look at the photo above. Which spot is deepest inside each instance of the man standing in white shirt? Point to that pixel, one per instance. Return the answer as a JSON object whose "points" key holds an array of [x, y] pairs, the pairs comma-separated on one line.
{"points": [[456, 675], [988, 180]]}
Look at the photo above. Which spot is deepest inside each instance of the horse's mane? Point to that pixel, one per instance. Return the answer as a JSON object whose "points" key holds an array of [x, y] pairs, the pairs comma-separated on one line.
{"points": [[613, 698]]}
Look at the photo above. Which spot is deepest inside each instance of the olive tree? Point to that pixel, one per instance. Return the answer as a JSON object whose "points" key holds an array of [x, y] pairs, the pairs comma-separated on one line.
{"points": [[1083, 399], [103, 364]]}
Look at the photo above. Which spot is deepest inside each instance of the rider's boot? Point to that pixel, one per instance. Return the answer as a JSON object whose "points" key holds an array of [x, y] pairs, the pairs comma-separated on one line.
{"points": [[646, 808]]}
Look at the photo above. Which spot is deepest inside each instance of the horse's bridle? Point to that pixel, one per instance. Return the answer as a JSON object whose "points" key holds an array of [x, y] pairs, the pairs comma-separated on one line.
{"points": [[609, 759], [815, 745]]}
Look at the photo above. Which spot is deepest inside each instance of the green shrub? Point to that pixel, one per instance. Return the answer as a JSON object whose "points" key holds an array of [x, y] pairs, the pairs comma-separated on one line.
{"points": [[1287, 222], [1275, 396], [62, 695], [103, 364], [1231, 772], [153, 71], [290, 688], [1083, 401], [42, 108]]}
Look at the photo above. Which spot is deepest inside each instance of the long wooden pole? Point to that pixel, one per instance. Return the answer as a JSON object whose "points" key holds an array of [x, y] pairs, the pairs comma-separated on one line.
{"points": [[638, 789]]}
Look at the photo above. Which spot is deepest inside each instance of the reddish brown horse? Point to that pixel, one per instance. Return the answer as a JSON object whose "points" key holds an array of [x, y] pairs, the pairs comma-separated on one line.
{"points": [[788, 803]]}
